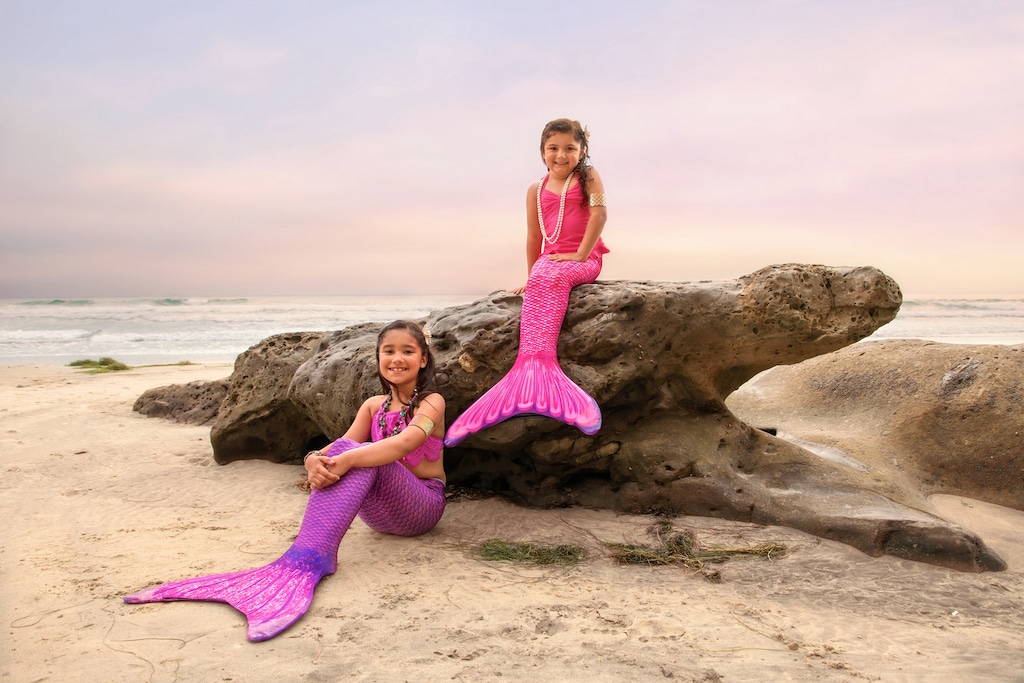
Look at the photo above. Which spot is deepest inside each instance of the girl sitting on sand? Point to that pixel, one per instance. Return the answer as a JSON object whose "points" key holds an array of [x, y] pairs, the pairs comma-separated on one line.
{"points": [[565, 216], [395, 483]]}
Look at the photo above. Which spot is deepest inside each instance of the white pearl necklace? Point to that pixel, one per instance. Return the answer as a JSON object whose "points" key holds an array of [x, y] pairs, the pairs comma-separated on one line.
{"points": [[561, 211]]}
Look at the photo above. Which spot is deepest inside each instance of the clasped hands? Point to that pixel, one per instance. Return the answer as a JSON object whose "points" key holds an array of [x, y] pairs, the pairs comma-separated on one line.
{"points": [[322, 471]]}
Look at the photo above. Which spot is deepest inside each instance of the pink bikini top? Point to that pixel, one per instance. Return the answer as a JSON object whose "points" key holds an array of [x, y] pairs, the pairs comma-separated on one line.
{"points": [[429, 449], [574, 220]]}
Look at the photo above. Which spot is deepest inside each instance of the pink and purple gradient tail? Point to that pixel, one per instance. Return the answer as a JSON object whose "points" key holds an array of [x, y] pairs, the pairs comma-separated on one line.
{"points": [[390, 499], [536, 384]]}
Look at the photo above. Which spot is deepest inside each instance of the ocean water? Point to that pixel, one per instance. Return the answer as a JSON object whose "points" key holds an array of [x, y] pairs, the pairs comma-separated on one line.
{"points": [[958, 321], [151, 331]]}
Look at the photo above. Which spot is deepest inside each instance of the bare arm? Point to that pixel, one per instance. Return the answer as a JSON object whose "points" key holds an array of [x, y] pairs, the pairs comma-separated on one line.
{"points": [[398, 446], [533, 240], [324, 471], [317, 466]]}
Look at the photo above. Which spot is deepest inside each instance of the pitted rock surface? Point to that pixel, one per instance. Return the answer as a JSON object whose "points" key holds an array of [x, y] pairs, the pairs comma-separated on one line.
{"points": [[661, 359]]}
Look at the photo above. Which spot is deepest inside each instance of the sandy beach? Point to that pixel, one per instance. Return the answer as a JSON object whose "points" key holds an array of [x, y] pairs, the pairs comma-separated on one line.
{"points": [[100, 502]]}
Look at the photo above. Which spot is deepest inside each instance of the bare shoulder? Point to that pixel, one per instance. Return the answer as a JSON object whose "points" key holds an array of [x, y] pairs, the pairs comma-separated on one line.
{"points": [[434, 402], [532, 191], [595, 184], [373, 404]]}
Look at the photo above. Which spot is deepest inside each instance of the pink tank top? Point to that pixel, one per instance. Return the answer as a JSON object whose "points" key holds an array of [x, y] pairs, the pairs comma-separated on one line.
{"points": [[429, 449], [574, 220]]}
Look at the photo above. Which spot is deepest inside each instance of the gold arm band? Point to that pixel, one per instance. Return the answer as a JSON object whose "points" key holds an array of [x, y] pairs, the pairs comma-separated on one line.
{"points": [[423, 422], [597, 199]]}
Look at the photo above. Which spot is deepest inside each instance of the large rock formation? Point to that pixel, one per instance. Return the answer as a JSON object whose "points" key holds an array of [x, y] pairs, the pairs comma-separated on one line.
{"points": [[660, 358], [944, 418]]}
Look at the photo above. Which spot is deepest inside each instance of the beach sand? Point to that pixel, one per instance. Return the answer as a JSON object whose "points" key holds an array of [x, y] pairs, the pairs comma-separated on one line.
{"points": [[100, 502]]}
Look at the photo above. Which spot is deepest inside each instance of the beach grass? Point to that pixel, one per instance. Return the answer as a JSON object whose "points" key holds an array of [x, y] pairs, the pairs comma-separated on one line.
{"points": [[110, 365], [534, 553], [102, 365]]}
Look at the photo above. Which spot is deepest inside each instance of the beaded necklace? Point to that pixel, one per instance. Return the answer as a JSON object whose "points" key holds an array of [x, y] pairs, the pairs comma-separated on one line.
{"points": [[402, 414], [561, 212]]}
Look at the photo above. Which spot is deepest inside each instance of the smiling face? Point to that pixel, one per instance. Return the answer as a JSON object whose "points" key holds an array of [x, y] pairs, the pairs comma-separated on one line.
{"points": [[561, 153], [399, 360]]}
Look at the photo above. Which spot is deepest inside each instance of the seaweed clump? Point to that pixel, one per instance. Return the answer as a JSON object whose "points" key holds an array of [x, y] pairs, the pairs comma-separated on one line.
{"points": [[683, 548], [534, 553]]}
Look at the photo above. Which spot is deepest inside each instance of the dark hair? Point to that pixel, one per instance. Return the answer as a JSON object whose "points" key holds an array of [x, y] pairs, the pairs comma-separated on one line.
{"points": [[574, 128], [425, 377]]}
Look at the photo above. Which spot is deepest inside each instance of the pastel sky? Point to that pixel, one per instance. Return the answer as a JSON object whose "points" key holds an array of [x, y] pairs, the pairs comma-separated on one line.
{"points": [[245, 148]]}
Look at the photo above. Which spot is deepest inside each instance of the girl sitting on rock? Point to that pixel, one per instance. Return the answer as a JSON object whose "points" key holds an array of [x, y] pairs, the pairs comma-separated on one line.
{"points": [[565, 216]]}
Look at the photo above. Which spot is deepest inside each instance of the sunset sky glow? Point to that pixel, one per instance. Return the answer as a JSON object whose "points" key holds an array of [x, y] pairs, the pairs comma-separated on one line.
{"points": [[232, 148]]}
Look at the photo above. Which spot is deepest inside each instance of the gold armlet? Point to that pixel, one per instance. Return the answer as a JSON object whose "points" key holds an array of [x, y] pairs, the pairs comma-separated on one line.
{"points": [[423, 422], [597, 199]]}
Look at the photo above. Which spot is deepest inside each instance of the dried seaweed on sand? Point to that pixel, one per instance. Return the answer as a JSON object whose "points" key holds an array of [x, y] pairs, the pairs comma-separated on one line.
{"points": [[683, 548]]}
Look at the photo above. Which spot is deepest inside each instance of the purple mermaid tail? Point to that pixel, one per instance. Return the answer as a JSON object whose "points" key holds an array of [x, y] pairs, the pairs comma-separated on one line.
{"points": [[272, 597], [536, 383], [390, 499]]}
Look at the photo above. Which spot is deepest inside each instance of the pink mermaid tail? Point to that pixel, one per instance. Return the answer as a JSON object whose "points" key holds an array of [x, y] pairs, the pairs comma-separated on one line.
{"points": [[390, 499], [536, 383]]}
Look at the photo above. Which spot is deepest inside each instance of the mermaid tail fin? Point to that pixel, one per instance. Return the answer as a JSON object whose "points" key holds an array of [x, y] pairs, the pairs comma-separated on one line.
{"points": [[272, 597], [535, 385], [275, 596]]}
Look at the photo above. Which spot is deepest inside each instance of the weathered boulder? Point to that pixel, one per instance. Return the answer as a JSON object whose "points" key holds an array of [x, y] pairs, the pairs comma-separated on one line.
{"points": [[257, 418], [660, 358], [331, 385], [193, 403], [947, 418]]}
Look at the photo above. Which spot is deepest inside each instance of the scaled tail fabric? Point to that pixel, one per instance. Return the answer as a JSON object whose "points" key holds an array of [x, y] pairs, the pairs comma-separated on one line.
{"points": [[390, 499], [536, 384]]}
